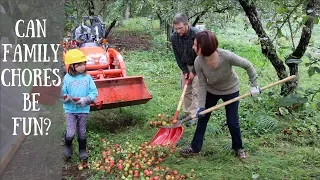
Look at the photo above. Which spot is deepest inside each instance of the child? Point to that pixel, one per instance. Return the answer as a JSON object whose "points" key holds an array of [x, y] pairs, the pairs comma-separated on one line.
{"points": [[79, 90]]}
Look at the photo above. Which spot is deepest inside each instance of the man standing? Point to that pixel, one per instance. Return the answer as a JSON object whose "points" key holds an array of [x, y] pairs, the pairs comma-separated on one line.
{"points": [[182, 42]]}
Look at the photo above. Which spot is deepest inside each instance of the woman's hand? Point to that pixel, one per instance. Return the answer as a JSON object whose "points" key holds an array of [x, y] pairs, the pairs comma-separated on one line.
{"points": [[255, 91], [198, 113]]}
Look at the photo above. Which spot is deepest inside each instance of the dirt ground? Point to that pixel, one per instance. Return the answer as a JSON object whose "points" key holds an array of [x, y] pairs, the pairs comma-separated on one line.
{"points": [[74, 172], [126, 41]]}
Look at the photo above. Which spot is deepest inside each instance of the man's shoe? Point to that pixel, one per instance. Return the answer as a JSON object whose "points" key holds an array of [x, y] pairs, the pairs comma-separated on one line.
{"points": [[191, 123], [188, 152], [182, 117], [241, 154]]}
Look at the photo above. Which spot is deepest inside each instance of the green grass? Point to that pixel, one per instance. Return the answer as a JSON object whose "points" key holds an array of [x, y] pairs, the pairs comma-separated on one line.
{"points": [[138, 25], [279, 146]]}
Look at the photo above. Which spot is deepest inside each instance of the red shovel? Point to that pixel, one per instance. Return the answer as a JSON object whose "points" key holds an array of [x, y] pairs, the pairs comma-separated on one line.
{"points": [[170, 135], [166, 134]]}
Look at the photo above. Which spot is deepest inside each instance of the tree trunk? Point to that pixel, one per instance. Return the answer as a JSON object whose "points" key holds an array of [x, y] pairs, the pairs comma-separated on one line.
{"points": [[267, 47], [91, 8], [104, 15], [127, 13], [270, 52], [303, 44], [110, 27], [123, 10], [102, 10], [160, 21], [169, 33]]}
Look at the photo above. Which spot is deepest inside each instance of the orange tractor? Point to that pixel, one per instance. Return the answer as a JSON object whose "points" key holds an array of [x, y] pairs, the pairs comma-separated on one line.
{"points": [[108, 69]]}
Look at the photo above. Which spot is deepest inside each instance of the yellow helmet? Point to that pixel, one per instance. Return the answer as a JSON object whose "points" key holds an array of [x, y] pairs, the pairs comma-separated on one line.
{"points": [[75, 56]]}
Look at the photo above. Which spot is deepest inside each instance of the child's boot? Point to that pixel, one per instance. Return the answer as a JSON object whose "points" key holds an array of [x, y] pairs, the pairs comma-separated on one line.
{"points": [[82, 150], [68, 150]]}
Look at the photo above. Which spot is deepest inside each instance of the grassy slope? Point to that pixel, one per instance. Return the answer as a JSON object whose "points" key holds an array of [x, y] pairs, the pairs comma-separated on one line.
{"points": [[273, 155]]}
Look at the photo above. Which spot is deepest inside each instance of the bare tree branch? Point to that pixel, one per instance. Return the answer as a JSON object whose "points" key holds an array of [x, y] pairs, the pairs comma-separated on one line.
{"points": [[113, 23], [206, 10], [287, 18], [196, 14], [222, 10], [103, 6], [199, 16], [291, 33], [201, 13]]}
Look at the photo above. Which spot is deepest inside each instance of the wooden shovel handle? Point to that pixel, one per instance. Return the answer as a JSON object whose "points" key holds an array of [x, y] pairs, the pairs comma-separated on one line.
{"points": [[182, 95], [243, 96], [176, 114]]}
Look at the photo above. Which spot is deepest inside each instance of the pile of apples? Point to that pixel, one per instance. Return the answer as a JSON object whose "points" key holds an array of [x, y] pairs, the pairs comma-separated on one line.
{"points": [[162, 120], [133, 162]]}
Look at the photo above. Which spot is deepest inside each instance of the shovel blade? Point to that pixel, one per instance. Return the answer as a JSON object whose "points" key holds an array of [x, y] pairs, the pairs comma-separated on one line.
{"points": [[167, 136]]}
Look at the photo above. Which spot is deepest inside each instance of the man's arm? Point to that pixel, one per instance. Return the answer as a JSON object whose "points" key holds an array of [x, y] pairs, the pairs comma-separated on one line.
{"points": [[189, 51], [182, 65]]}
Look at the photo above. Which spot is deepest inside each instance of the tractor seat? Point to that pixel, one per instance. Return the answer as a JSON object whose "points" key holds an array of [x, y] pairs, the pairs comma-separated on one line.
{"points": [[90, 44]]}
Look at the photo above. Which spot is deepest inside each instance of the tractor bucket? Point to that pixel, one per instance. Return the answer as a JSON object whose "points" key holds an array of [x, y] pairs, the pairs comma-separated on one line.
{"points": [[167, 136], [120, 92]]}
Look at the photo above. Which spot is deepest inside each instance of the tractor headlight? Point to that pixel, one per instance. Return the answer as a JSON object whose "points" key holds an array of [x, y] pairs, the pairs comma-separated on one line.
{"points": [[103, 60], [90, 61]]}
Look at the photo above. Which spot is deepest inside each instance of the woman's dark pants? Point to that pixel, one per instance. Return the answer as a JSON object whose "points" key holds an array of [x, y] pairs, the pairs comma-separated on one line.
{"points": [[232, 121]]}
